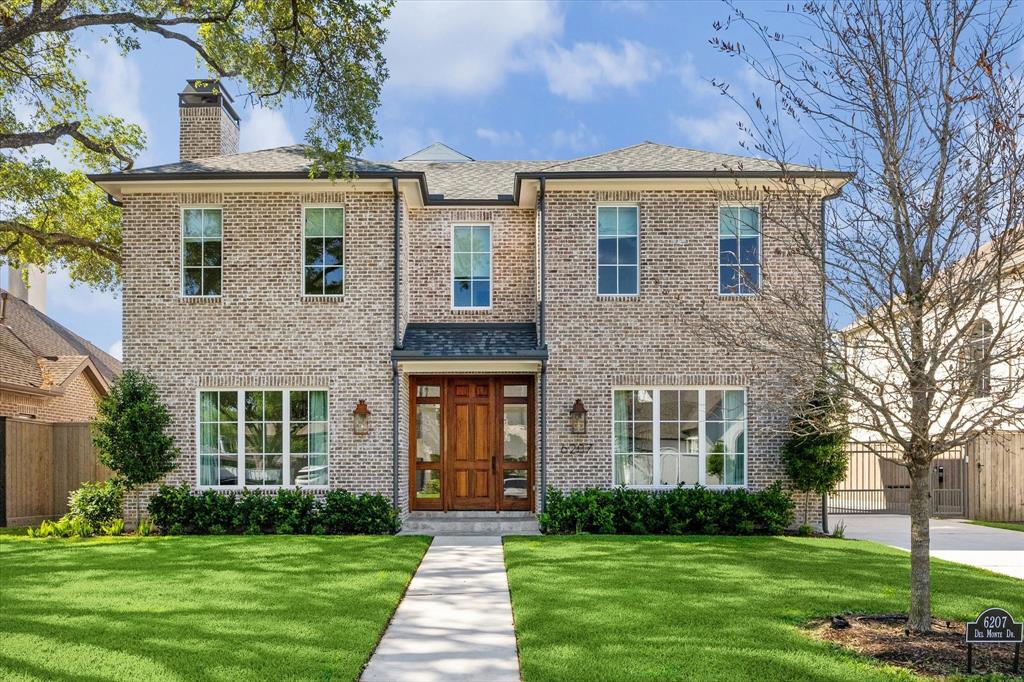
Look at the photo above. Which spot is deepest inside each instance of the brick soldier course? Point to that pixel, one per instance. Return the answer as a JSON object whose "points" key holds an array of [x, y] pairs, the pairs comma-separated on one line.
{"points": [[263, 332]]}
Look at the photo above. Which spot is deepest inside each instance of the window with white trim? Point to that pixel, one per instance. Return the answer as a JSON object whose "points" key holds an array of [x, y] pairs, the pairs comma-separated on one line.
{"points": [[471, 266], [679, 436], [262, 438], [618, 250], [323, 251], [200, 251], [739, 250]]}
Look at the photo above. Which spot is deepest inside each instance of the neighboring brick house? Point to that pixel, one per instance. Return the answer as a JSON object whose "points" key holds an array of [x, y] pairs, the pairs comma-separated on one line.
{"points": [[473, 309], [47, 372]]}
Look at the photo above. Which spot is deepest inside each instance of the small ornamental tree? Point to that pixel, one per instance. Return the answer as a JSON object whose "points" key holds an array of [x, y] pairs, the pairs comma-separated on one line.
{"points": [[129, 430], [815, 453]]}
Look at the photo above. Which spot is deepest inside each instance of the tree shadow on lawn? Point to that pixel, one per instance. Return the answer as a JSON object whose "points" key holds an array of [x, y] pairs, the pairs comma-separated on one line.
{"points": [[622, 607], [225, 607]]}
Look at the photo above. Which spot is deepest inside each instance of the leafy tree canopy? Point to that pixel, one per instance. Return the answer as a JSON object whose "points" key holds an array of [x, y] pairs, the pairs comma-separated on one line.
{"points": [[324, 52]]}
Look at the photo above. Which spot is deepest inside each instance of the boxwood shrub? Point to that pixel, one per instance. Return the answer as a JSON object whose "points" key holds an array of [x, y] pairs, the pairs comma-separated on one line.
{"points": [[180, 511], [678, 511]]}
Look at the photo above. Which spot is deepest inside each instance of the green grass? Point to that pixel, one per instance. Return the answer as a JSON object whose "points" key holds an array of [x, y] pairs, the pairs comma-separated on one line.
{"points": [[14, 530], [191, 608], [1000, 524], [702, 608]]}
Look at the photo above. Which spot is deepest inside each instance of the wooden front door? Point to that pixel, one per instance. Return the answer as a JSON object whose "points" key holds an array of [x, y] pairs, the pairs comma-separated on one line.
{"points": [[471, 443], [469, 454]]}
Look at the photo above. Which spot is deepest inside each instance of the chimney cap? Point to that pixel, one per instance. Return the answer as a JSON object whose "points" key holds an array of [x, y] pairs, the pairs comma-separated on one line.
{"points": [[207, 92]]}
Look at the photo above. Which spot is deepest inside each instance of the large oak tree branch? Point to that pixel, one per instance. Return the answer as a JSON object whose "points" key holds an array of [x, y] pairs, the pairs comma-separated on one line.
{"points": [[58, 239], [72, 129]]}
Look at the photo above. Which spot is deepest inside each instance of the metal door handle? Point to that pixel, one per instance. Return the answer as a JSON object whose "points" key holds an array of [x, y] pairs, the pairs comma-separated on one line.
{"points": [[494, 462]]}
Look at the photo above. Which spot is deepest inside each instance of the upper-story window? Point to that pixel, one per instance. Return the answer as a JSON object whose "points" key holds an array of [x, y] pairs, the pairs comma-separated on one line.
{"points": [[739, 249], [618, 250], [471, 266], [200, 251], [978, 360], [323, 251]]}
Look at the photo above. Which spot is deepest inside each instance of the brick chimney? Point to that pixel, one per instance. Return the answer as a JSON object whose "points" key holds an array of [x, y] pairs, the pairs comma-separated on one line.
{"points": [[208, 124]]}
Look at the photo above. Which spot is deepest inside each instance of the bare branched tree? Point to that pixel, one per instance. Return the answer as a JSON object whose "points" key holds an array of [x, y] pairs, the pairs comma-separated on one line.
{"points": [[921, 254]]}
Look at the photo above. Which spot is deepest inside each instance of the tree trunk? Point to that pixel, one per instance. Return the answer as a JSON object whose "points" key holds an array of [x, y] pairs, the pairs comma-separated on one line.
{"points": [[824, 514], [920, 542]]}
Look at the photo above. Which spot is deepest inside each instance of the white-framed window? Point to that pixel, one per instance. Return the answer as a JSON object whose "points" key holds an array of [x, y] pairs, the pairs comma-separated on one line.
{"points": [[471, 266], [618, 250], [978, 361], [201, 239], [671, 436], [259, 438], [323, 251], [739, 250]]}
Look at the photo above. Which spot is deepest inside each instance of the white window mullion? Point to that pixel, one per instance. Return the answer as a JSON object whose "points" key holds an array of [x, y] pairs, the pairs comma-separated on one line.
{"points": [[656, 446], [286, 437], [702, 452], [240, 421]]}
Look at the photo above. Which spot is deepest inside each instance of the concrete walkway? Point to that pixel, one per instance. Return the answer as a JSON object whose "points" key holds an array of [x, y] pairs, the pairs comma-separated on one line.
{"points": [[455, 622], [994, 549]]}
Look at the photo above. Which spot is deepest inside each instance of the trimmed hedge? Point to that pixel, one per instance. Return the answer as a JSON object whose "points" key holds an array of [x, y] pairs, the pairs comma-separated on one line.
{"points": [[679, 511], [180, 511]]}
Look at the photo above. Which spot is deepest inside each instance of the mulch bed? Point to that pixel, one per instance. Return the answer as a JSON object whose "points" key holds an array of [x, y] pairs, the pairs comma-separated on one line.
{"points": [[884, 637]]}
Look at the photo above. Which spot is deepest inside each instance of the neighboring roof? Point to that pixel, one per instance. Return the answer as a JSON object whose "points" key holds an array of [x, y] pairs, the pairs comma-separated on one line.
{"points": [[438, 151], [462, 179], [39, 354], [470, 341]]}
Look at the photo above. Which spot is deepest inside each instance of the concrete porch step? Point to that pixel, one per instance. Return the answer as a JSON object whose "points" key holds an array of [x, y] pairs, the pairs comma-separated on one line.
{"points": [[470, 523]]}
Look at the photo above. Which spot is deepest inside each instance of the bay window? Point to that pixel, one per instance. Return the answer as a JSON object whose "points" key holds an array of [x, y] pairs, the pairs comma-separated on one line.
{"points": [[262, 437], [679, 436]]}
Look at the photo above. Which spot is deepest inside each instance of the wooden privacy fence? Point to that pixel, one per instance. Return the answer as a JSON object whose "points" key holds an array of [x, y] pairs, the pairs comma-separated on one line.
{"points": [[983, 481], [40, 464], [995, 479]]}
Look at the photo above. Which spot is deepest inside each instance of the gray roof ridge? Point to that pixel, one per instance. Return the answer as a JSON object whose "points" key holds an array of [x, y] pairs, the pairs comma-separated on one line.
{"points": [[594, 156]]}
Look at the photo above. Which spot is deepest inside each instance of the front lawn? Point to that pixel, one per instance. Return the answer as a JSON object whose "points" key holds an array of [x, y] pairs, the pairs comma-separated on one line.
{"points": [[999, 524], [714, 608], [189, 608]]}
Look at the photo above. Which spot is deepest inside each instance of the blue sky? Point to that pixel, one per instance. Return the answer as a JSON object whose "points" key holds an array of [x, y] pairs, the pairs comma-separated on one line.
{"points": [[495, 80]]}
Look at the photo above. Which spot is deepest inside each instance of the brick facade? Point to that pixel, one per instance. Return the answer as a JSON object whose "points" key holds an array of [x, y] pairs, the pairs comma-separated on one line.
{"points": [[77, 404], [262, 332], [206, 131]]}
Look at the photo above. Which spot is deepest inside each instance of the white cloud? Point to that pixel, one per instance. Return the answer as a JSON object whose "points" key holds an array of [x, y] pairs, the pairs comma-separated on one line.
{"points": [[114, 83], [579, 72], [630, 6], [717, 131], [579, 139], [264, 129], [500, 138], [464, 48], [116, 350]]}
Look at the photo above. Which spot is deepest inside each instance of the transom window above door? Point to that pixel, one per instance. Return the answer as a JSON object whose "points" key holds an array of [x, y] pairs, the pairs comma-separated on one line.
{"points": [[323, 251], [471, 266], [618, 250]]}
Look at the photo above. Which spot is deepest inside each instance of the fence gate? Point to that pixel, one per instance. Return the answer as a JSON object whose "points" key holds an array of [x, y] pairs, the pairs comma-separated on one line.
{"points": [[877, 483]]}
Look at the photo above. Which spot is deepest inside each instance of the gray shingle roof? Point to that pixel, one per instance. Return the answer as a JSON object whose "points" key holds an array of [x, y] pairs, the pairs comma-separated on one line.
{"points": [[650, 156], [38, 352], [470, 340], [469, 179]]}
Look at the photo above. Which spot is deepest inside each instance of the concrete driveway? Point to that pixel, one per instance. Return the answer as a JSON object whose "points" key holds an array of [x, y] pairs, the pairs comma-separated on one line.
{"points": [[994, 549]]}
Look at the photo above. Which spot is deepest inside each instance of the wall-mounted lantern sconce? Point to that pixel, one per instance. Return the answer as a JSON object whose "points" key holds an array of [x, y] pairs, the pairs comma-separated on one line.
{"points": [[361, 419], [578, 418]]}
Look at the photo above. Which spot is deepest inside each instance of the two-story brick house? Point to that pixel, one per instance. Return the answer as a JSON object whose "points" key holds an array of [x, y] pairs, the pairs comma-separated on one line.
{"points": [[456, 334]]}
